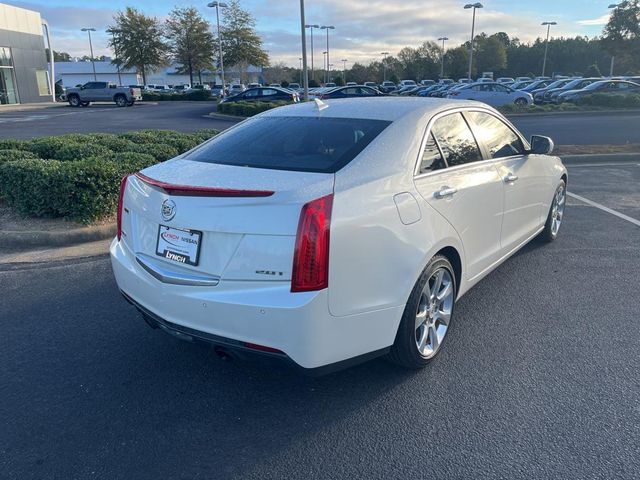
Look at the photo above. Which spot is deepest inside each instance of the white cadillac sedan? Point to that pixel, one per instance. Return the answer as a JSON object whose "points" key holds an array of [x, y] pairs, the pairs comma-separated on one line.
{"points": [[492, 93], [325, 234]]}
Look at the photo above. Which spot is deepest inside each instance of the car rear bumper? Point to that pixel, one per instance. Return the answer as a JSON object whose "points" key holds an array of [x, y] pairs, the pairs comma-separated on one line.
{"points": [[234, 314]]}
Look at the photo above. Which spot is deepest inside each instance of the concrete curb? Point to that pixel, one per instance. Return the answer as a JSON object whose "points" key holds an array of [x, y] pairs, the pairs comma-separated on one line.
{"points": [[600, 158], [222, 116], [16, 240], [574, 113]]}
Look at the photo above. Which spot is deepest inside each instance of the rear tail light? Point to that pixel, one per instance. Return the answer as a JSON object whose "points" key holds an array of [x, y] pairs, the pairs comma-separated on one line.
{"points": [[131, 91], [311, 254], [123, 187]]}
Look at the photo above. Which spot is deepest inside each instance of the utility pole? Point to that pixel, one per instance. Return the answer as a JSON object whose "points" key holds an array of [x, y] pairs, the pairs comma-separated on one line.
{"points": [[546, 45], [93, 63], [443, 39], [475, 6]]}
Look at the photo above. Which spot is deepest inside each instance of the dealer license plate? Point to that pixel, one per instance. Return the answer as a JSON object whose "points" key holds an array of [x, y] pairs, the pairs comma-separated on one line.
{"points": [[180, 245]]}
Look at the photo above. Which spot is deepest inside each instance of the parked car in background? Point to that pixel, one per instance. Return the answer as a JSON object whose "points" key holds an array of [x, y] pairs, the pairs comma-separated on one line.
{"points": [[351, 84], [153, 87], [494, 94], [407, 83], [413, 91], [387, 86], [446, 81], [538, 93], [254, 85], [427, 83], [534, 85], [551, 95], [465, 80], [523, 79], [263, 94], [184, 88], [485, 80], [427, 91], [275, 85], [236, 88], [507, 80], [102, 92], [350, 92], [330, 85], [608, 87], [268, 237], [521, 85], [295, 87], [371, 84], [201, 86]]}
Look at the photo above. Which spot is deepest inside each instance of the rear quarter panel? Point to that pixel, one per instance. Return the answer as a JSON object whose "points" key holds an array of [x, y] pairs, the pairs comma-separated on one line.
{"points": [[375, 259]]}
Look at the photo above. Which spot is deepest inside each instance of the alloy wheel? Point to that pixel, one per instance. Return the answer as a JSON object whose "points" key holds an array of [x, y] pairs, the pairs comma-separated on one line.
{"points": [[434, 312], [557, 209]]}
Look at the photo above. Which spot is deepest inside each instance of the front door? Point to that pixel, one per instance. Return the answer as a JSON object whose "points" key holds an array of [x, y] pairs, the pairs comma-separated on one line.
{"points": [[524, 182], [466, 190]]}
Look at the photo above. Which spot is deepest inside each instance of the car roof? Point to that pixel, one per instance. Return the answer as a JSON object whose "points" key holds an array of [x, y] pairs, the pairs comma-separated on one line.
{"points": [[374, 108]]}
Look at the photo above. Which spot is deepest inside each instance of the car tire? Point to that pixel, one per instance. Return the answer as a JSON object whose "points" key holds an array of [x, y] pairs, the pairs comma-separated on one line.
{"points": [[85, 104], [74, 100], [521, 102], [121, 100], [556, 214], [427, 316]]}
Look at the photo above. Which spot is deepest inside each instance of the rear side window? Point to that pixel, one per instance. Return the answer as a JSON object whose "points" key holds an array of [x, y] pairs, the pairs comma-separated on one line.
{"points": [[431, 157], [456, 140], [499, 139], [305, 144]]}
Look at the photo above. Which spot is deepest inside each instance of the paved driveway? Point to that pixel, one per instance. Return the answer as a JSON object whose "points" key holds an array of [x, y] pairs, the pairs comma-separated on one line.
{"points": [[539, 378]]}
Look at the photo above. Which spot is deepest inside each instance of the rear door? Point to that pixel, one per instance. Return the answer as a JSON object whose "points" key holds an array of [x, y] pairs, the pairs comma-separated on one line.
{"points": [[464, 189], [524, 180]]}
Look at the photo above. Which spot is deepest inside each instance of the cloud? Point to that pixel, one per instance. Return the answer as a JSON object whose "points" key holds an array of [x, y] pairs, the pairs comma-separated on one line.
{"points": [[603, 20]]}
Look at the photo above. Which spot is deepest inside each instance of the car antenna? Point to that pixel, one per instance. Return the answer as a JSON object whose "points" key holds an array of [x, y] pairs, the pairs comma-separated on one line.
{"points": [[320, 104]]}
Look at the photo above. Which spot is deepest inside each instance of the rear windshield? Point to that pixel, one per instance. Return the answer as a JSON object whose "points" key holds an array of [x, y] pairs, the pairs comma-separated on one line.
{"points": [[306, 144]]}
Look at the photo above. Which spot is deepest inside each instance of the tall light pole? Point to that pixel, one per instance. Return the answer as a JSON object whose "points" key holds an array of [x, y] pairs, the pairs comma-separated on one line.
{"points": [[329, 72], [613, 58], [442, 39], [546, 45], [384, 66], [93, 63], [324, 66], [301, 82], [303, 37], [311, 27], [475, 6], [327, 28], [344, 67], [218, 6]]}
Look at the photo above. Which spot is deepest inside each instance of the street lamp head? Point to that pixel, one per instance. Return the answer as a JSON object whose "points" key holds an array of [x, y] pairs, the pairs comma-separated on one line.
{"points": [[443, 39], [549, 23], [88, 29], [312, 26], [384, 53], [329, 27], [474, 5], [614, 5], [217, 4]]}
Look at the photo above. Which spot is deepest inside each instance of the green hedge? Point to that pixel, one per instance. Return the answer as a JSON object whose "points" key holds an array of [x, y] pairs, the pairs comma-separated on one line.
{"points": [[248, 109], [77, 176], [611, 100], [192, 96]]}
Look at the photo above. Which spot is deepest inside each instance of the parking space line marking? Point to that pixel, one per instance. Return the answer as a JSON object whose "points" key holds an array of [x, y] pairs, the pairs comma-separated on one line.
{"points": [[605, 209], [626, 164]]}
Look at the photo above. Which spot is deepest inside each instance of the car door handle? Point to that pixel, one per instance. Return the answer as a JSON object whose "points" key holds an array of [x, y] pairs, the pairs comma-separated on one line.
{"points": [[510, 178], [445, 192]]}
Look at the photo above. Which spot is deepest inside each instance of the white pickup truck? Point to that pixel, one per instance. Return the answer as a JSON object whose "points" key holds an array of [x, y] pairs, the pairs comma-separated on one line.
{"points": [[102, 92]]}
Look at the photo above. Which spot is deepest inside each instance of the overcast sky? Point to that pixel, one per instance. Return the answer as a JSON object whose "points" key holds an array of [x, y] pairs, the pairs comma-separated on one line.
{"points": [[364, 28]]}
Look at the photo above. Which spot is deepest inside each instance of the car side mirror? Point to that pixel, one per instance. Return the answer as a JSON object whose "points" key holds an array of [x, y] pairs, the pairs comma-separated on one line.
{"points": [[541, 145]]}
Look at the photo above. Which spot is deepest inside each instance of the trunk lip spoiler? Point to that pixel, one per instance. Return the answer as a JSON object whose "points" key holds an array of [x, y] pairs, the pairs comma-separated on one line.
{"points": [[196, 191]]}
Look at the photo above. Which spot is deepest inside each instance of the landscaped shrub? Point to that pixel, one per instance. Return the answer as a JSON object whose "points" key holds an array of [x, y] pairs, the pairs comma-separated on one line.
{"points": [[198, 95], [159, 151], [10, 155], [611, 100], [77, 175], [194, 95], [78, 151], [248, 109], [12, 144]]}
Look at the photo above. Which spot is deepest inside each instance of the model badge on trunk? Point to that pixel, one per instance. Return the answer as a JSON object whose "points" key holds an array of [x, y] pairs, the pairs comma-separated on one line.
{"points": [[168, 209]]}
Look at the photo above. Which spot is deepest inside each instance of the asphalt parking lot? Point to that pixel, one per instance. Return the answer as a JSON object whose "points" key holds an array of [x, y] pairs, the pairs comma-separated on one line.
{"points": [[584, 129], [539, 378]]}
